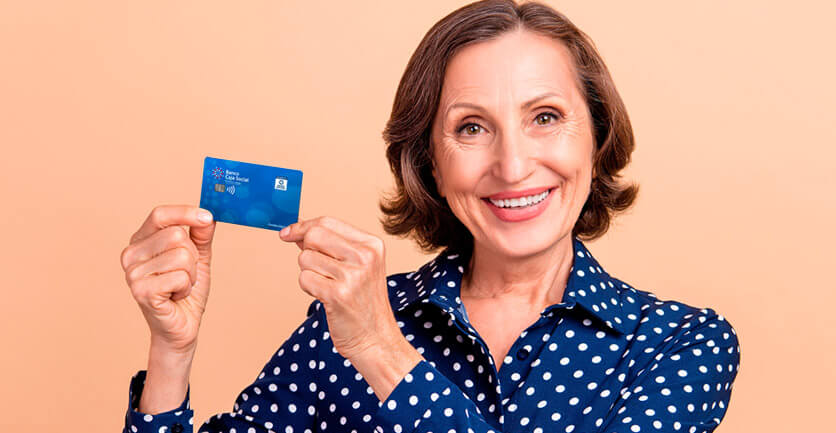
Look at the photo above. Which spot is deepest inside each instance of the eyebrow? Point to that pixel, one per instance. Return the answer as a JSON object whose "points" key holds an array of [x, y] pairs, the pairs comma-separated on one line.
{"points": [[524, 106]]}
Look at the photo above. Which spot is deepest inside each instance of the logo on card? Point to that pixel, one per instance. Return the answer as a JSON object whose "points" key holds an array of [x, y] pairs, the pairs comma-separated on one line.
{"points": [[281, 184], [218, 173]]}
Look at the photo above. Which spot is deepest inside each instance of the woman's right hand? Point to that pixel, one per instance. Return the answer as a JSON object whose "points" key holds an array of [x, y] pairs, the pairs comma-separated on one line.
{"points": [[167, 268]]}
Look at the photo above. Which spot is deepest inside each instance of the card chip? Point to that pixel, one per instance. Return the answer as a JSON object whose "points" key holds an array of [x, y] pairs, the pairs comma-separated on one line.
{"points": [[219, 187]]}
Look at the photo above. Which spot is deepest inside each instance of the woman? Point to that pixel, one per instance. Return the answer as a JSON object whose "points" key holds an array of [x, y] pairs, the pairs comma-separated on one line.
{"points": [[506, 139]]}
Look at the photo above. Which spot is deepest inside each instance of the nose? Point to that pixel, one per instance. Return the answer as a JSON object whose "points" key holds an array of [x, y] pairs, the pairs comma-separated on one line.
{"points": [[514, 157]]}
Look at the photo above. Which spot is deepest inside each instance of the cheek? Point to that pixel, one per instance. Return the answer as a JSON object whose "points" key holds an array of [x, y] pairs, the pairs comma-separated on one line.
{"points": [[571, 153], [461, 169], [570, 162]]}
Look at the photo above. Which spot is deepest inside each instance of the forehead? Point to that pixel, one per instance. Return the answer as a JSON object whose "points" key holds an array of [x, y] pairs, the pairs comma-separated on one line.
{"points": [[512, 68]]}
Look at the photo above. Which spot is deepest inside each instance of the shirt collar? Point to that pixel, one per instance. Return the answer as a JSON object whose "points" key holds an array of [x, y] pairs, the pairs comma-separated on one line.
{"points": [[590, 286]]}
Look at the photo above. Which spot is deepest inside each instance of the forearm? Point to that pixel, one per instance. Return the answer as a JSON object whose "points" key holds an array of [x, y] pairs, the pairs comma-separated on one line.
{"points": [[430, 402], [166, 381]]}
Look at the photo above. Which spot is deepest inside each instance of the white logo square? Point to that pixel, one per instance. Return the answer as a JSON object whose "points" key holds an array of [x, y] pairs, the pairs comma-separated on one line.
{"points": [[281, 184]]}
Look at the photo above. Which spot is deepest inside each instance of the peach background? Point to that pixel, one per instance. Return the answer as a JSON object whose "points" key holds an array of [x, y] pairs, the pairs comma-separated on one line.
{"points": [[108, 108]]}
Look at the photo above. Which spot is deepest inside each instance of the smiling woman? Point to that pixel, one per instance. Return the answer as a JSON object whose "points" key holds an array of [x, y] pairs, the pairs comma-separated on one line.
{"points": [[446, 79], [521, 145], [506, 140]]}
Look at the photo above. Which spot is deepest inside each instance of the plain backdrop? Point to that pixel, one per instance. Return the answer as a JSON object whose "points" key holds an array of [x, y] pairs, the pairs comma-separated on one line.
{"points": [[108, 108]]}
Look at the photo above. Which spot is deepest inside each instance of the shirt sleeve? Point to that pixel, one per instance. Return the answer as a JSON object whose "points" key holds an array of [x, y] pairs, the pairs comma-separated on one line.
{"points": [[688, 387], [278, 400], [427, 401], [687, 390]]}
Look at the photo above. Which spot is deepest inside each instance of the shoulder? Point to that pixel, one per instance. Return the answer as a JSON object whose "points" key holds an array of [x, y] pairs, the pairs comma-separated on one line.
{"points": [[407, 288], [404, 288], [673, 322]]}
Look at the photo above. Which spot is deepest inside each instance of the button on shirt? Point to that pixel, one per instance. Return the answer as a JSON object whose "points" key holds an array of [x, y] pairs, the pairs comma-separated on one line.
{"points": [[607, 358]]}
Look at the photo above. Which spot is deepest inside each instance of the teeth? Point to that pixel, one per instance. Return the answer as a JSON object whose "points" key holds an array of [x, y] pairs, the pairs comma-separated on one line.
{"points": [[521, 201]]}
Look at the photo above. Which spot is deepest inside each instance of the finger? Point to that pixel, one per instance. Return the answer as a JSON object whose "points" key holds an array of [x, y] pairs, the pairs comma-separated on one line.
{"points": [[180, 291], [168, 215], [322, 264], [330, 243], [157, 243], [314, 284], [297, 230], [174, 259], [177, 286], [345, 229]]}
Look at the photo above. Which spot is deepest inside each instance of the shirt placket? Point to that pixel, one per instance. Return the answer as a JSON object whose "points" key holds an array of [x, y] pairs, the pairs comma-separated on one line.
{"points": [[446, 298], [525, 355]]}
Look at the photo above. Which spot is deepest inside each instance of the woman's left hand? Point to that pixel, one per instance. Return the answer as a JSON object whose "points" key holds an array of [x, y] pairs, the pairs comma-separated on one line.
{"points": [[344, 268]]}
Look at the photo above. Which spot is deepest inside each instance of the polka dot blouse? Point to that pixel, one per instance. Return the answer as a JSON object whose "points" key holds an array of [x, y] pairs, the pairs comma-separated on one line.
{"points": [[607, 358]]}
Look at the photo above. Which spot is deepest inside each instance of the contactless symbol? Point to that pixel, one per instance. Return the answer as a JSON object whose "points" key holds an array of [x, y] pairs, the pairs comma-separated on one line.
{"points": [[280, 184], [218, 173], [231, 189]]}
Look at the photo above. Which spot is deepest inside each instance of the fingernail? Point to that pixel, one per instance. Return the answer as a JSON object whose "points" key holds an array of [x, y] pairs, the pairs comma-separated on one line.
{"points": [[204, 216], [285, 231]]}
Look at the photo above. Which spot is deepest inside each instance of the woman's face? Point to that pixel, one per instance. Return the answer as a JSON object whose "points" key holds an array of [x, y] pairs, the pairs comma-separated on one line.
{"points": [[511, 123]]}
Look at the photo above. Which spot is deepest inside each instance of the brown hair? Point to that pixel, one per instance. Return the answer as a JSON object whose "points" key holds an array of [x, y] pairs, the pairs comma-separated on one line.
{"points": [[416, 208]]}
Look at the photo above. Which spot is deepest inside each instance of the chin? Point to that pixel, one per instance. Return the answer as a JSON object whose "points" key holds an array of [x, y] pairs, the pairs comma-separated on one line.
{"points": [[525, 243]]}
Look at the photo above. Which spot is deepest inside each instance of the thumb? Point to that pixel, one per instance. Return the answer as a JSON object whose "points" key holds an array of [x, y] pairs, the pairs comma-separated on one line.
{"points": [[202, 237]]}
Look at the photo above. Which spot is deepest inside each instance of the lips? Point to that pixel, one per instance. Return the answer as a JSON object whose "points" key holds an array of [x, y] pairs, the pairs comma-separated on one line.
{"points": [[517, 194], [516, 213]]}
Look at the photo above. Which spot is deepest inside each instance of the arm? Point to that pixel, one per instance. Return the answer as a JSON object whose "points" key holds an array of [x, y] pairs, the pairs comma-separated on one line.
{"points": [[274, 401], [426, 401], [685, 390], [688, 387], [415, 396]]}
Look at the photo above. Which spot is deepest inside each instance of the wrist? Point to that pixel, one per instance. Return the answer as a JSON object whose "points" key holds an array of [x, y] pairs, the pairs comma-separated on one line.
{"points": [[166, 380], [159, 346], [164, 358]]}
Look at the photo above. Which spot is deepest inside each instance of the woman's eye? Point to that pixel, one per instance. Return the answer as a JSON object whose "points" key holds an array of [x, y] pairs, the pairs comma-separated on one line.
{"points": [[542, 119], [470, 127], [545, 116]]}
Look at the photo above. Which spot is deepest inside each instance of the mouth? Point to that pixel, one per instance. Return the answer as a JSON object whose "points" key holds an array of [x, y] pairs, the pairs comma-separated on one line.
{"points": [[520, 208], [521, 202]]}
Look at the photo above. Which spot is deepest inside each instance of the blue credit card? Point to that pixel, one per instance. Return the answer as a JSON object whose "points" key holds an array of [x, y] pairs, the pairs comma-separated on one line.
{"points": [[252, 195]]}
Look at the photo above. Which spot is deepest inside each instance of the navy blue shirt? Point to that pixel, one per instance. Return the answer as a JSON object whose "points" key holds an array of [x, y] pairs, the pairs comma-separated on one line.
{"points": [[607, 358]]}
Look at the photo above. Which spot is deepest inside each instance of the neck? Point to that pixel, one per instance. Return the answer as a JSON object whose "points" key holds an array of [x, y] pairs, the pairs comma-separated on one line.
{"points": [[539, 279]]}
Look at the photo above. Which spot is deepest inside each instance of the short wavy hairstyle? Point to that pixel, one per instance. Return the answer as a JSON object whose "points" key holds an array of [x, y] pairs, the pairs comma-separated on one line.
{"points": [[415, 208]]}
